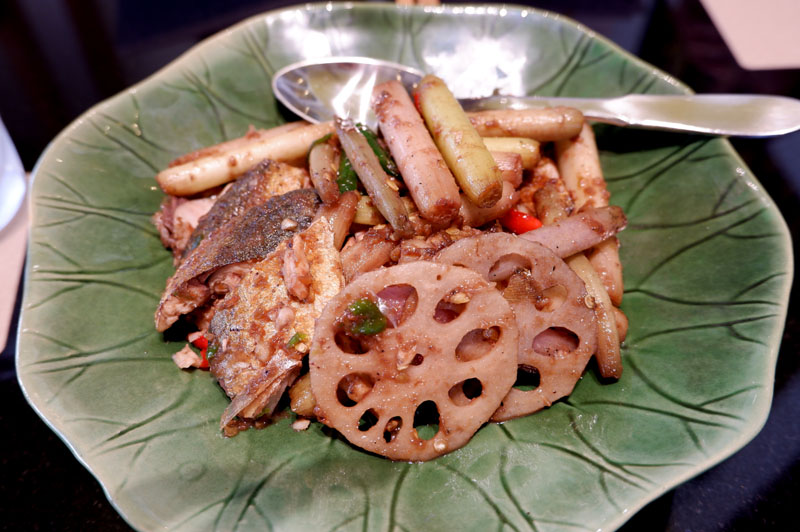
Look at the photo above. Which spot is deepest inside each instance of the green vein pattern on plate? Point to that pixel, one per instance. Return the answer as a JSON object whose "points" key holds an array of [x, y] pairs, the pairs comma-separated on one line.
{"points": [[707, 270]]}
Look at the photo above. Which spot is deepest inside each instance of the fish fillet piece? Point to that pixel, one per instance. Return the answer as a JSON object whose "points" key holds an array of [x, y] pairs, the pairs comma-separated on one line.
{"points": [[255, 324], [253, 235], [267, 179]]}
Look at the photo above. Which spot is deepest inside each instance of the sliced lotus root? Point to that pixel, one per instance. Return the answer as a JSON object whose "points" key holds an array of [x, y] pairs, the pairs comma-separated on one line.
{"points": [[558, 332], [426, 382]]}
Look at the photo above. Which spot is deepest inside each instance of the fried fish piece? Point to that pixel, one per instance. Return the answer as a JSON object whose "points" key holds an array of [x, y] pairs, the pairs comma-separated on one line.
{"points": [[267, 179], [263, 329], [253, 235]]}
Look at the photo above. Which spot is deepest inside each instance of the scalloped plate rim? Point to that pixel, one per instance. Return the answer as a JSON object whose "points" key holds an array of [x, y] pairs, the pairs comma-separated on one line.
{"points": [[744, 436]]}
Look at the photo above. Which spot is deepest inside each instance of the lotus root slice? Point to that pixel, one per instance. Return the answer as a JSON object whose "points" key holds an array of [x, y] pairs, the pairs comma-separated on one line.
{"points": [[558, 330], [456, 366]]}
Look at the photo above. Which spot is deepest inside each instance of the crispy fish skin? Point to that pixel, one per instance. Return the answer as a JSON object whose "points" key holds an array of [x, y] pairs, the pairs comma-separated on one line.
{"points": [[255, 234], [254, 363], [267, 179]]}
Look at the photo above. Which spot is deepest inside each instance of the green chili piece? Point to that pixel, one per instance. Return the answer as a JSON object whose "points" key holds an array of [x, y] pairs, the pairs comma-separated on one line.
{"points": [[320, 140], [367, 318], [387, 163], [212, 350], [296, 339], [347, 180]]}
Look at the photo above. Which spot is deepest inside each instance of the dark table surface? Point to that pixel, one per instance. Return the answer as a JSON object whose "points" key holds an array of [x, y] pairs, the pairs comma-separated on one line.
{"points": [[76, 53]]}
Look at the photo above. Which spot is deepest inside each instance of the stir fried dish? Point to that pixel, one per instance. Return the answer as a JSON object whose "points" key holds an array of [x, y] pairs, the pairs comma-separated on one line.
{"points": [[403, 286]]}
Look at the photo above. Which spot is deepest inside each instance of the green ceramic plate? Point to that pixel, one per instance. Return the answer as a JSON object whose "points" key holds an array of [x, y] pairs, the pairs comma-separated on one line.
{"points": [[707, 270]]}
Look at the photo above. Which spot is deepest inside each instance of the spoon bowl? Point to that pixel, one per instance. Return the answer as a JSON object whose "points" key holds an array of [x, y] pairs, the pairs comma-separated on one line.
{"points": [[319, 89]]}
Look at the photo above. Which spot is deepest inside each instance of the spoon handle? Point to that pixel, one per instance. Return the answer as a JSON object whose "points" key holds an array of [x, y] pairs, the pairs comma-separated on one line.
{"points": [[741, 115]]}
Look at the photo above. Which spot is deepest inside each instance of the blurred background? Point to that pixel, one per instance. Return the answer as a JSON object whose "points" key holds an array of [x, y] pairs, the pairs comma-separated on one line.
{"points": [[60, 57]]}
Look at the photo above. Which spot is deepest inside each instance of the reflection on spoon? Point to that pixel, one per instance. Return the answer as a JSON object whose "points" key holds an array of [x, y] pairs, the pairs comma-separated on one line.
{"points": [[320, 89], [316, 90]]}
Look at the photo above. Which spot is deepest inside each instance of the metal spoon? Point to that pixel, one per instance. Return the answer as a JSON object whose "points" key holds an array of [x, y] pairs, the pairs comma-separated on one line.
{"points": [[318, 89]]}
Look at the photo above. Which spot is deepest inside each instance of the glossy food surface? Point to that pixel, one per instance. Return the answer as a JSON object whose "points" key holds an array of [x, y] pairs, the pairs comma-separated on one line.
{"points": [[707, 269]]}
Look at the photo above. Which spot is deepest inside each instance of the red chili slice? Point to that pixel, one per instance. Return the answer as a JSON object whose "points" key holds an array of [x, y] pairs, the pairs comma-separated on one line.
{"points": [[520, 222], [204, 353], [201, 342]]}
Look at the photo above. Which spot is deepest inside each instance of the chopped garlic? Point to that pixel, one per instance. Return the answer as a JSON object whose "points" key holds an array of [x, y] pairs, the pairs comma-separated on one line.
{"points": [[459, 298], [405, 356], [301, 424], [301, 348], [195, 335], [186, 358], [285, 317], [288, 224], [296, 270]]}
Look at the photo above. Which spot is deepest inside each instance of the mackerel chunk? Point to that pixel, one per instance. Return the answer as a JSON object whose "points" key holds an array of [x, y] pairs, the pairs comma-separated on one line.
{"points": [[264, 181], [253, 235], [263, 328]]}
